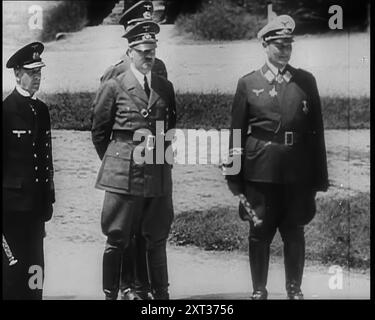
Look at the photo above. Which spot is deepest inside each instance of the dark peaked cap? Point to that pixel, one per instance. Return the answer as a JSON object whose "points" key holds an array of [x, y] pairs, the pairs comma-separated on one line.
{"points": [[27, 57], [143, 35], [141, 11]]}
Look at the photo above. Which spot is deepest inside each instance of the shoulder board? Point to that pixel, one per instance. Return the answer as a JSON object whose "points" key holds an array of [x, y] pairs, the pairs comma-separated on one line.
{"points": [[118, 62], [248, 74]]}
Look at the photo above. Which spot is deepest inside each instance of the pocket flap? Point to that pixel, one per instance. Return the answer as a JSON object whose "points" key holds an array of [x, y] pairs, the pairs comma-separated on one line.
{"points": [[119, 149]]}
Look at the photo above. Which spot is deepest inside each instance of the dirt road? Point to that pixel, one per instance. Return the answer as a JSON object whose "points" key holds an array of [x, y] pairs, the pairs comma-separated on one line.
{"points": [[74, 272], [340, 63]]}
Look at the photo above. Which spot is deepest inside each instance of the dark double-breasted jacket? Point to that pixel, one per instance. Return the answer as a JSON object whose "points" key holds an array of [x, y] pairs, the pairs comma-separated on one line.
{"points": [[28, 184], [282, 135], [117, 109]]}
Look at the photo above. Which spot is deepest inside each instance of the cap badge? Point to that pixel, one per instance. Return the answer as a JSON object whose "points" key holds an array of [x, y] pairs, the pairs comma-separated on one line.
{"points": [[36, 55], [148, 7], [147, 15], [146, 36], [258, 92]]}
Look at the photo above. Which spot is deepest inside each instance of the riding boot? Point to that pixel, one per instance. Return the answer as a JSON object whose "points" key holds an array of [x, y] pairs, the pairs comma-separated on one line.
{"points": [[127, 267], [141, 279], [294, 260], [259, 253], [158, 272], [111, 270]]}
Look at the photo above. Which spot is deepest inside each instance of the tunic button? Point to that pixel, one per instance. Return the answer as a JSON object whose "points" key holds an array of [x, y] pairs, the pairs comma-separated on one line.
{"points": [[47, 156], [46, 144], [33, 144], [46, 168], [36, 168], [36, 180], [47, 180], [117, 154], [35, 156]]}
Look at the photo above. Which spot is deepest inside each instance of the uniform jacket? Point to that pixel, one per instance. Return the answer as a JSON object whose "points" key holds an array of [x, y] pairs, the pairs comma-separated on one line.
{"points": [[262, 104], [27, 156], [124, 64], [117, 107]]}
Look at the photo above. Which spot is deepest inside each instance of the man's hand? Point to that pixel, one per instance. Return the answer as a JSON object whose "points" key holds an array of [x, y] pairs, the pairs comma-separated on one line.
{"points": [[235, 187]]}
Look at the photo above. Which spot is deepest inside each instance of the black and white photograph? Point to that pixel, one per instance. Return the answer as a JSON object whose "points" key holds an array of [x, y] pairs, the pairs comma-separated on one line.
{"points": [[207, 150]]}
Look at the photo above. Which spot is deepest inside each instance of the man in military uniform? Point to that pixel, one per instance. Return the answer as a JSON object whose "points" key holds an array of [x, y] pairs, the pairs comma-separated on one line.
{"points": [[134, 278], [139, 12], [138, 197], [283, 155], [28, 188]]}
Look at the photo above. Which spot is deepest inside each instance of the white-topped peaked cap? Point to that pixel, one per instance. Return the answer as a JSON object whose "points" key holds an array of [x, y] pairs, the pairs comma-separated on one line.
{"points": [[281, 27]]}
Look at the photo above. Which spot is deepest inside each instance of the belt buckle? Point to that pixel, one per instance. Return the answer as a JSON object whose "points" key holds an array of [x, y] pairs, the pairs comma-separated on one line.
{"points": [[150, 143], [288, 138], [144, 113]]}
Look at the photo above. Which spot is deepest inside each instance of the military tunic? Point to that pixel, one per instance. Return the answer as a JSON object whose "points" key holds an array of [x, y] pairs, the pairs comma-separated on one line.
{"points": [[28, 188], [268, 113]]}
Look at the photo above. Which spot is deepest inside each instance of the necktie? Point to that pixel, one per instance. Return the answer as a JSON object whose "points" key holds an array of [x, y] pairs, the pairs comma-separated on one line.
{"points": [[279, 77], [146, 87]]}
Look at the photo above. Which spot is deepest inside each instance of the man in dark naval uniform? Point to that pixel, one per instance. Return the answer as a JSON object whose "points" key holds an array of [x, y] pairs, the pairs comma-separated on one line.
{"points": [[28, 188], [134, 278], [138, 197], [283, 155]]}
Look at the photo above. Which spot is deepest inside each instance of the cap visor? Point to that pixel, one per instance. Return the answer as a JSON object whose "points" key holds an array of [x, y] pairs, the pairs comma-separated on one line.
{"points": [[145, 46], [34, 65]]}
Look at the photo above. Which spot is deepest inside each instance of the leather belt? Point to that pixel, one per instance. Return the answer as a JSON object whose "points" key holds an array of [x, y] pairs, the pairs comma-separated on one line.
{"points": [[127, 136], [288, 138]]}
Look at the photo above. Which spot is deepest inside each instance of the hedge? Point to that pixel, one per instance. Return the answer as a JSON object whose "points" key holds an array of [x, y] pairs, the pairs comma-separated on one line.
{"points": [[198, 110]]}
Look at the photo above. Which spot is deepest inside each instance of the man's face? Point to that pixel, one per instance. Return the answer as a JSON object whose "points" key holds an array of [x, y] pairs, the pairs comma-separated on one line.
{"points": [[29, 79], [142, 60], [278, 52]]}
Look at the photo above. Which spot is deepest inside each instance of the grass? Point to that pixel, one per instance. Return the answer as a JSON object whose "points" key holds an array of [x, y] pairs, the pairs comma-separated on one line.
{"points": [[339, 233], [197, 110]]}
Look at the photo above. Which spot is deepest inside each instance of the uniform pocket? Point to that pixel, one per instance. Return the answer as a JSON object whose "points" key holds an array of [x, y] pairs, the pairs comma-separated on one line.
{"points": [[116, 166]]}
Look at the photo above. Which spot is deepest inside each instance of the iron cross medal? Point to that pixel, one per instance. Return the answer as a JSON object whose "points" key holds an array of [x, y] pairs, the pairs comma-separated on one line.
{"points": [[273, 92]]}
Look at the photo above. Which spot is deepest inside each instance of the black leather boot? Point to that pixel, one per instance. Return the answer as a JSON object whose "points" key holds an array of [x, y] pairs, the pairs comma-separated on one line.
{"points": [[259, 253], [141, 279], [111, 270], [158, 272], [127, 268], [294, 260]]}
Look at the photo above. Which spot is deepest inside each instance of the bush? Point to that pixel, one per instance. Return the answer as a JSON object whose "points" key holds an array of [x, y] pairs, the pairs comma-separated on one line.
{"points": [[220, 20], [207, 111], [339, 233], [66, 16], [70, 110]]}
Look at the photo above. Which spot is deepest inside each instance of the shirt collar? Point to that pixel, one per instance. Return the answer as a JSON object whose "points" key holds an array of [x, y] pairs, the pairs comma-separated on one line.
{"points": [[270, 72], [273, 68], [24, 93], [140, 76]]}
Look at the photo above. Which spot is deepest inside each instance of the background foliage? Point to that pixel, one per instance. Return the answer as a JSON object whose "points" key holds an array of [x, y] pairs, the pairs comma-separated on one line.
{"points": [[197, 110]]}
